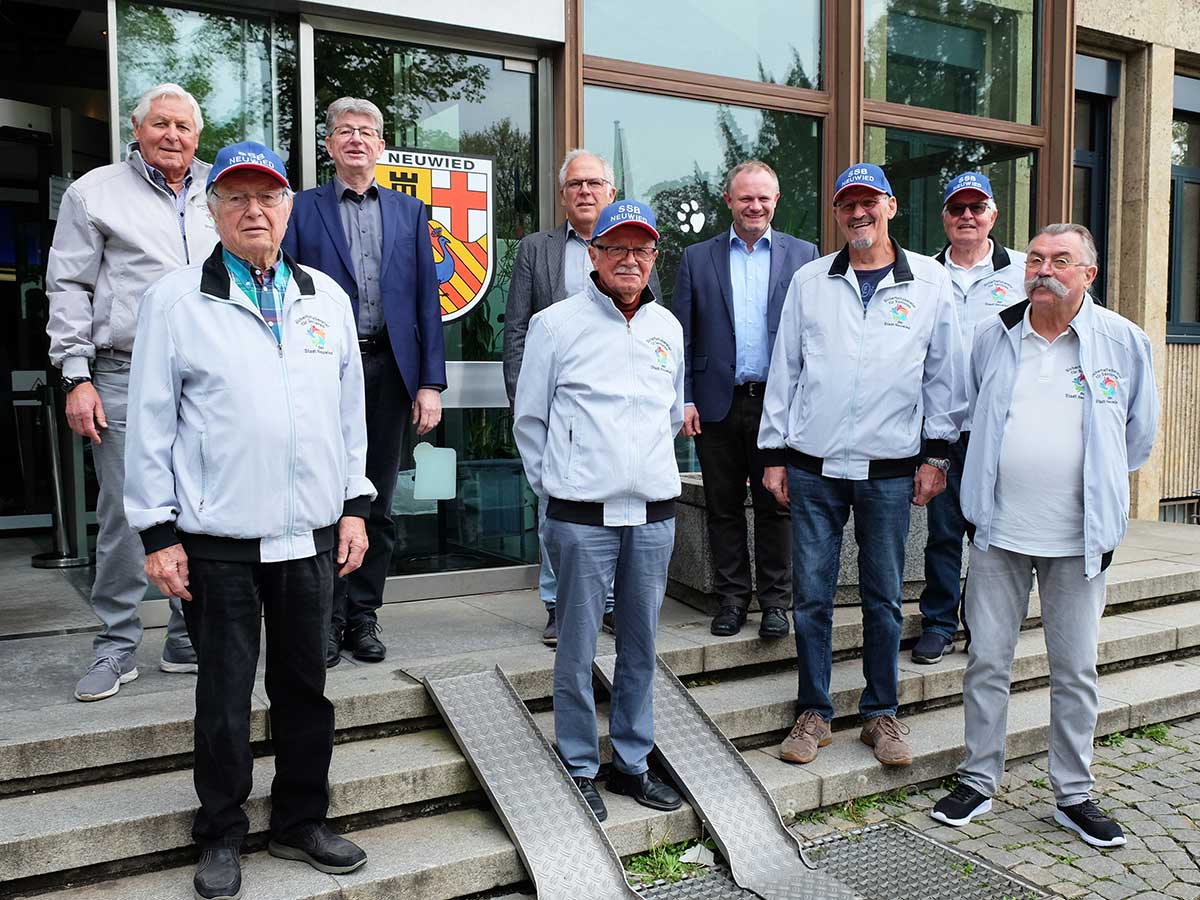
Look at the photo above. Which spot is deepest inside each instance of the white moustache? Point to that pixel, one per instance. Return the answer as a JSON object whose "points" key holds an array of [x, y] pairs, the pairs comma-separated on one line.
{"points": [[1049, 282]]}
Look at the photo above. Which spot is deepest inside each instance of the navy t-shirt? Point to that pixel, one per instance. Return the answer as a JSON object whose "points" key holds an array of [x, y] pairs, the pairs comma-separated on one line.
{"points": [[868, 280]]}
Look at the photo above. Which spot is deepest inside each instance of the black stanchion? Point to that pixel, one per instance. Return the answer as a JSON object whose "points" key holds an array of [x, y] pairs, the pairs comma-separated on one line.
{"points": [[61, 556]]}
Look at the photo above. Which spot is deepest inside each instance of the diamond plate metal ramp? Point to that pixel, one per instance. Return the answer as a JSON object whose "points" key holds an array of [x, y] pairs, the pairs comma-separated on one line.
{"points": [[563, 847], [733, 804]]}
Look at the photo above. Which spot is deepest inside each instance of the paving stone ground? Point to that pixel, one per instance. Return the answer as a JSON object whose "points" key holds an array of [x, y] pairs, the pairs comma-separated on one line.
{"points": [[1152, 787]]}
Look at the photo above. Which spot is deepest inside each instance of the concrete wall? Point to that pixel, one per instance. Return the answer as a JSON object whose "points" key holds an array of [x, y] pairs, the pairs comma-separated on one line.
{"points": [[1170, 23]]}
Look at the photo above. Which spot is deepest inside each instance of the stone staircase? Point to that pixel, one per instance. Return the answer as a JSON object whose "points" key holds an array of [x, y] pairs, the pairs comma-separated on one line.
{"points": [[96, 800]]}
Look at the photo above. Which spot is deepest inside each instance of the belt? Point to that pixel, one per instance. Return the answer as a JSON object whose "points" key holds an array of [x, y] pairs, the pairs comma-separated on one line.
{"points": [[877, 468], [582, 512], [376, 343], [751, 388]]}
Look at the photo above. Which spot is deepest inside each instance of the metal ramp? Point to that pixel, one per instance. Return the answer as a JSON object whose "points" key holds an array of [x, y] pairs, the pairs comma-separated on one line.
{"points": [[733, 804], [563, 847]]}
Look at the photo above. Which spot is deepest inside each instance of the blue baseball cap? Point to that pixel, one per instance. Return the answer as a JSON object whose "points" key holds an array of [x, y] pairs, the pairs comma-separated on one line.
{"points": [[625, 212], [967, 181], [862, 175], [247, 156]]}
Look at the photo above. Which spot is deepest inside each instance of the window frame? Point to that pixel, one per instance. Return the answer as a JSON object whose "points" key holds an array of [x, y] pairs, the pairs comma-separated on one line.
{"points": [[1097, 162]]}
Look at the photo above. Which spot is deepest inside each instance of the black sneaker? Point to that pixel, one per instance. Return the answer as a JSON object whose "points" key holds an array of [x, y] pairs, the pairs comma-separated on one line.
{"points": [[550, 634], [1087, 821], [960, 806], [320, 847], [218, 875], [931, 648], [595, 802]]}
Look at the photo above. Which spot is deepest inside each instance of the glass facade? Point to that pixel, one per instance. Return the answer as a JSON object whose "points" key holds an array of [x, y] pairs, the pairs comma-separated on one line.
{"points": [[777, 41], [919, 166], [1183, 312], [962, 56]]}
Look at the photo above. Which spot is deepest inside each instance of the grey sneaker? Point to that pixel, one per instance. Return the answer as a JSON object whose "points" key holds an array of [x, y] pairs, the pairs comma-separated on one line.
{"points": [[105, 677], [178, 658]]}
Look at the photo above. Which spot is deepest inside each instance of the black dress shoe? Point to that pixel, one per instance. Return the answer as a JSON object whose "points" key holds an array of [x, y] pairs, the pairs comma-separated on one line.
{"points": [[362, 640], [333, 650], [595, 802], [218, 875], [728, 621], [645, 789], [318, 846], [774, 623]]}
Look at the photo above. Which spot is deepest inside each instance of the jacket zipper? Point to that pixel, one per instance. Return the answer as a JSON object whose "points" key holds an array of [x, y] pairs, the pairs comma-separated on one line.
{"points": [[633, 455], [862, 333]]}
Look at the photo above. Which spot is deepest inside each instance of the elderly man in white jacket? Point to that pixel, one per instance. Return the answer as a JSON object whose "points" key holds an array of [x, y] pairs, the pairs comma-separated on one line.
{"points": [[599, 401]]}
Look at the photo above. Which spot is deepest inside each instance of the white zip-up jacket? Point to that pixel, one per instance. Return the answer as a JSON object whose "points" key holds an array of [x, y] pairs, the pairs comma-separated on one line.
{"points": [[1120, 420], [117, 233], [244, 447], [599, 401], [1001, 285], [849, 387]]}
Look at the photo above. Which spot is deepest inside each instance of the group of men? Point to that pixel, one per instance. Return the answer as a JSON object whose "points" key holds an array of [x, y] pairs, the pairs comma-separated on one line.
{"points": [[247, 443]]}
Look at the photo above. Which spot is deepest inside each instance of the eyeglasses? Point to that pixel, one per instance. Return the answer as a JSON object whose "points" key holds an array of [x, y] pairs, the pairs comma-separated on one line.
{"points": [[344, 131], [1058, 264], [266, 199], [955, 210], [616, 254], [868, 205], [594, 184]]}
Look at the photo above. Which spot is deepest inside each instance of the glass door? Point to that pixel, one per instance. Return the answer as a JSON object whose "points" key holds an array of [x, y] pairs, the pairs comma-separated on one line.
{"points": [[461, 132]]}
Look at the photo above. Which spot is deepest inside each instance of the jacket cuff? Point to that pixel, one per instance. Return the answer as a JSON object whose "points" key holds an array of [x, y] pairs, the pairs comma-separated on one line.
{"points": [[359, 507], [774, 456], [937, 448], [433, 387], [159, 537], [76, 367]]}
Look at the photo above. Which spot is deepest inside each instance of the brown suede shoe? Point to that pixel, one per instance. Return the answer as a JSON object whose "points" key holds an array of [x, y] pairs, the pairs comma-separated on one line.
{"points": [[886, 735], [808, 734]]}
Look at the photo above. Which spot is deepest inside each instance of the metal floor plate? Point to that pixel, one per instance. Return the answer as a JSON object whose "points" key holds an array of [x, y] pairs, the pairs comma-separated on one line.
{"points": [[735, 807], [883, 862], [563, 847]]}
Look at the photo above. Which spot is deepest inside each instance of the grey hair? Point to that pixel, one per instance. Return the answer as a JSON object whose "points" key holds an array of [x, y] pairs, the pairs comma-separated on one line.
{"points": [[167, 89], [1090, 256], [344, 105], [609, 175], [750, 165], [990, 203]]}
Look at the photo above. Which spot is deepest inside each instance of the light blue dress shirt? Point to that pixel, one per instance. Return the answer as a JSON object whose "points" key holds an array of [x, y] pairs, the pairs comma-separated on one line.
{"points": [[750, 275], [577, 264]]}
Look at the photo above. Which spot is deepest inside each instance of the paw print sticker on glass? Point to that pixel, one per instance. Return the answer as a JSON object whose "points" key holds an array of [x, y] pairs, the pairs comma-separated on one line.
{"points": [[691, 220]]}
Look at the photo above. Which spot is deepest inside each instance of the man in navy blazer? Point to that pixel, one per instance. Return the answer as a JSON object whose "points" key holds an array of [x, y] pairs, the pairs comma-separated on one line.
{"points": [[374, 242], [728, 295]]}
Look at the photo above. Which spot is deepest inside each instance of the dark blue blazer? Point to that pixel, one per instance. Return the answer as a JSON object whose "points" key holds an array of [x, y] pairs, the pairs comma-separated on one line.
{"points": [[411, 307], [703, 302]]}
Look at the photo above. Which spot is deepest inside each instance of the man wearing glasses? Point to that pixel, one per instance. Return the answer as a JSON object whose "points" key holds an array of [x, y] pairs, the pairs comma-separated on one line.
{"points": [[375, 244], [1064, 408], [551, 266], [987, 277], [864, 397], [599, 402]]}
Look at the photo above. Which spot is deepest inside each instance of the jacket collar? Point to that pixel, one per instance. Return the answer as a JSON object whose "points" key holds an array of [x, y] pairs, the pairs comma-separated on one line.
{"points": [[1000, 257], [197, 170], [901, 270], [215, 280], [1014, 315], [598, 294]]}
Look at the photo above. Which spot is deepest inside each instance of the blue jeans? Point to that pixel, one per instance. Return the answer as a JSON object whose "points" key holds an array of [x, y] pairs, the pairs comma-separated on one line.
{"points": [[547, 580], [943, 551], [589, 558], [820, 508]]}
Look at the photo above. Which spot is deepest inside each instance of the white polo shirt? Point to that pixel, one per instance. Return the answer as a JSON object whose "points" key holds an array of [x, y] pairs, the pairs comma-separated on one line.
{"points": [[1039, 477]]}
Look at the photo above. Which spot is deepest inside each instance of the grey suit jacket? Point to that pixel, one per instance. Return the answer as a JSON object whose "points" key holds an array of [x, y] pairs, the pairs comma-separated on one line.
{"points": [[537, 281]]}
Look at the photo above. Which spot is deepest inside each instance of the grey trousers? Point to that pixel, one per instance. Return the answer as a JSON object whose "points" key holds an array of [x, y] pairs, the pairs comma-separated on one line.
{"points": [[588, 558], [120, 575], [997, 601]]}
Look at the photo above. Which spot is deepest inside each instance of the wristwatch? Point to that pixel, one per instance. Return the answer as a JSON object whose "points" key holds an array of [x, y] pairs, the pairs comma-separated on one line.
{"points": [[69, 384], [941, 464]]}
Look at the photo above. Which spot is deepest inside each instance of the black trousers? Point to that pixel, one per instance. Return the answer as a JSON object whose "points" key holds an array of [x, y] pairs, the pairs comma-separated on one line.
{"points": [[389, 409], [229, 602], [728, 452]]}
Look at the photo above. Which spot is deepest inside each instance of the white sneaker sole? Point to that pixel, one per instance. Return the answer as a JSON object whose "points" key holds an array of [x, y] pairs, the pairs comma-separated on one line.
{"points": [[129, 676], [178, 668], [984, 807], [1065, 821]]}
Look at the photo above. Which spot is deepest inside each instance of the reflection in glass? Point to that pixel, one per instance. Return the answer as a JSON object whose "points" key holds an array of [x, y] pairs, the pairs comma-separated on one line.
{"points": [[435, 99], [1187, 263], [673, 154], [919, 166], [966, 56], [240, 69], [1185, 141], [776, 41]]}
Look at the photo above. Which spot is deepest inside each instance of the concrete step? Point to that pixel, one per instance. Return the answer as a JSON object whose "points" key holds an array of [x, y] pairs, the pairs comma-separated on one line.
{"points": [[72, 742], [462, 853], [94, 824]]}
